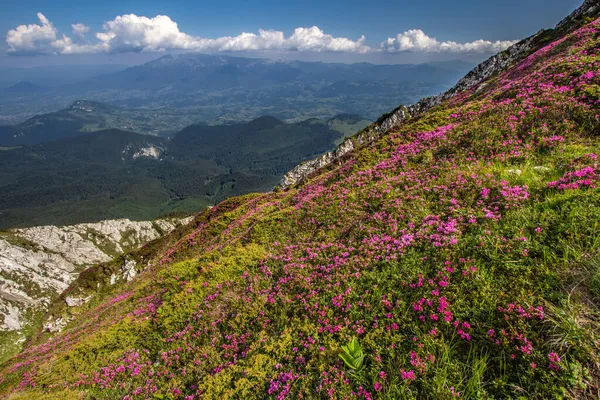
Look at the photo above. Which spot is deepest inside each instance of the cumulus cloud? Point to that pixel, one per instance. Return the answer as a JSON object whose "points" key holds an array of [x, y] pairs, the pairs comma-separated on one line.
{"points": [[416, 40], [138, 33], [133, 33], [31, 39], [79, 30]]}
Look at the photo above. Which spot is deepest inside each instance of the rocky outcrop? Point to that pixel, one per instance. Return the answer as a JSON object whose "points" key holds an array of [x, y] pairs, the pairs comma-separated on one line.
{"points": [[472, 80], [128, 269], [148, 152], [588, 8], [57, 324], [77, 301], [40, 262], [308, 167]]}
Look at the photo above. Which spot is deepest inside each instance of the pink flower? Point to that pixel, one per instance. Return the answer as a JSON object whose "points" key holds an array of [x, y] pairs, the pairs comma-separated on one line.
{"points": [[485, 193], [554, 361], [408, 375]]}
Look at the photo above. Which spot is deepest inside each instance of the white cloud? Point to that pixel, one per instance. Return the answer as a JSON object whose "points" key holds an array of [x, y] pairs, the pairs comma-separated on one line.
{"points": [[31, 39], [133, 33], [79, 30], [314, 39], [416, 40]]}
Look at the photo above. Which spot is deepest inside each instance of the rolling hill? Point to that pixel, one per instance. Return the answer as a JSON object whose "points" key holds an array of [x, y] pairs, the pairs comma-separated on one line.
{"points": [[84, 116]]}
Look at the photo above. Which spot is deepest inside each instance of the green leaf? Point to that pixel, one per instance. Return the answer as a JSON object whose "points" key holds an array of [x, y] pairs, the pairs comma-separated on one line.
{"points": [[352, 355]]}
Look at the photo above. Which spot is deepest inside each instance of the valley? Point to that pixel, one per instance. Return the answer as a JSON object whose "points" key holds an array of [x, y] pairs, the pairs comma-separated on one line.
{"points": [[108, 174], [223, 89]]}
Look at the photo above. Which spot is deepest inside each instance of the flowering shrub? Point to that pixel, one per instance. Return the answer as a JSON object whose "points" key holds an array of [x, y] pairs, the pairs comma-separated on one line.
{"points": [[585, 177]]}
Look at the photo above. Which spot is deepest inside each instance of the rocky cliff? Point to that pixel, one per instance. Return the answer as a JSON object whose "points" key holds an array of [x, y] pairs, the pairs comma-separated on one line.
{"points": [[40, 262]]}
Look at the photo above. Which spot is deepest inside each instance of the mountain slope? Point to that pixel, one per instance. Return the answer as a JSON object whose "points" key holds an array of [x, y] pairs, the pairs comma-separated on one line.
{"points": [[460, 248], [39, 263]]}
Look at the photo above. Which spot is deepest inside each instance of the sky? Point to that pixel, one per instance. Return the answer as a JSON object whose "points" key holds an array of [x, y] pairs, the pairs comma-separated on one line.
{"points": [[39, 32]]}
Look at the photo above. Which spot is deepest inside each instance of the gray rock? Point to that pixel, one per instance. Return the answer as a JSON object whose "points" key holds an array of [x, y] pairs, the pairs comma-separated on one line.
{"points": [[589, 7], [77, 301], [38, 263], [128, 269], [56, 325]]}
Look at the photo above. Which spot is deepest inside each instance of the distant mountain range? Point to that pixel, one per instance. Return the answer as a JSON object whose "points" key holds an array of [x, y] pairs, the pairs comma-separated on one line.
{"points": [[113, 173], [223, 89], [191, 72]]}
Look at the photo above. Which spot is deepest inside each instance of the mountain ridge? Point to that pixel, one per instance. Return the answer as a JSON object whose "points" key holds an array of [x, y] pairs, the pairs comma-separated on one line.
{"points": [[490, 67]]}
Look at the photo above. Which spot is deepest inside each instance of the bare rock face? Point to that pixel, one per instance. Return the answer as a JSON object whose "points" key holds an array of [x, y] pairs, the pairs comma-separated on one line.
{"points": [[128, 270], [38, 263], [77, 301], [589, 7], [56, 325], [307, 167], [148, 152]]}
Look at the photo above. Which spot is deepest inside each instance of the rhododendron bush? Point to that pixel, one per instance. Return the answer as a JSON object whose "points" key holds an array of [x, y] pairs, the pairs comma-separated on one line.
{"points": [[459, 253]]}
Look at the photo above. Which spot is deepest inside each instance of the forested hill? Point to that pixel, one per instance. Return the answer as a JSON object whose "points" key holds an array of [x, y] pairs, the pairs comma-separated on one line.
{"points": [[112, 173]]}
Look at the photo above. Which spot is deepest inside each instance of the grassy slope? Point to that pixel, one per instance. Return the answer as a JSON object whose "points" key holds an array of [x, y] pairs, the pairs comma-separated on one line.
{"points": [[445, 248]]}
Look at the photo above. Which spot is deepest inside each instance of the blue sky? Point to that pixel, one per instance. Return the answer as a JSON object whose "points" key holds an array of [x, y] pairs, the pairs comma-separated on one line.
{"points": [[455, 24]]}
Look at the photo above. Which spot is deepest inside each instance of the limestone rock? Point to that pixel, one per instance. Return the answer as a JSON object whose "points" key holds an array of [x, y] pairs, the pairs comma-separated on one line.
{"points": [[128, 269], [38, 263], [148, 152], [56, 325], [77, 301], [589, 7]]}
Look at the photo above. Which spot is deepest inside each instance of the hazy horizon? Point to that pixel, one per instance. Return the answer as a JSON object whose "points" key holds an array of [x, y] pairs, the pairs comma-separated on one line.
{"points": [[36, 33]]}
